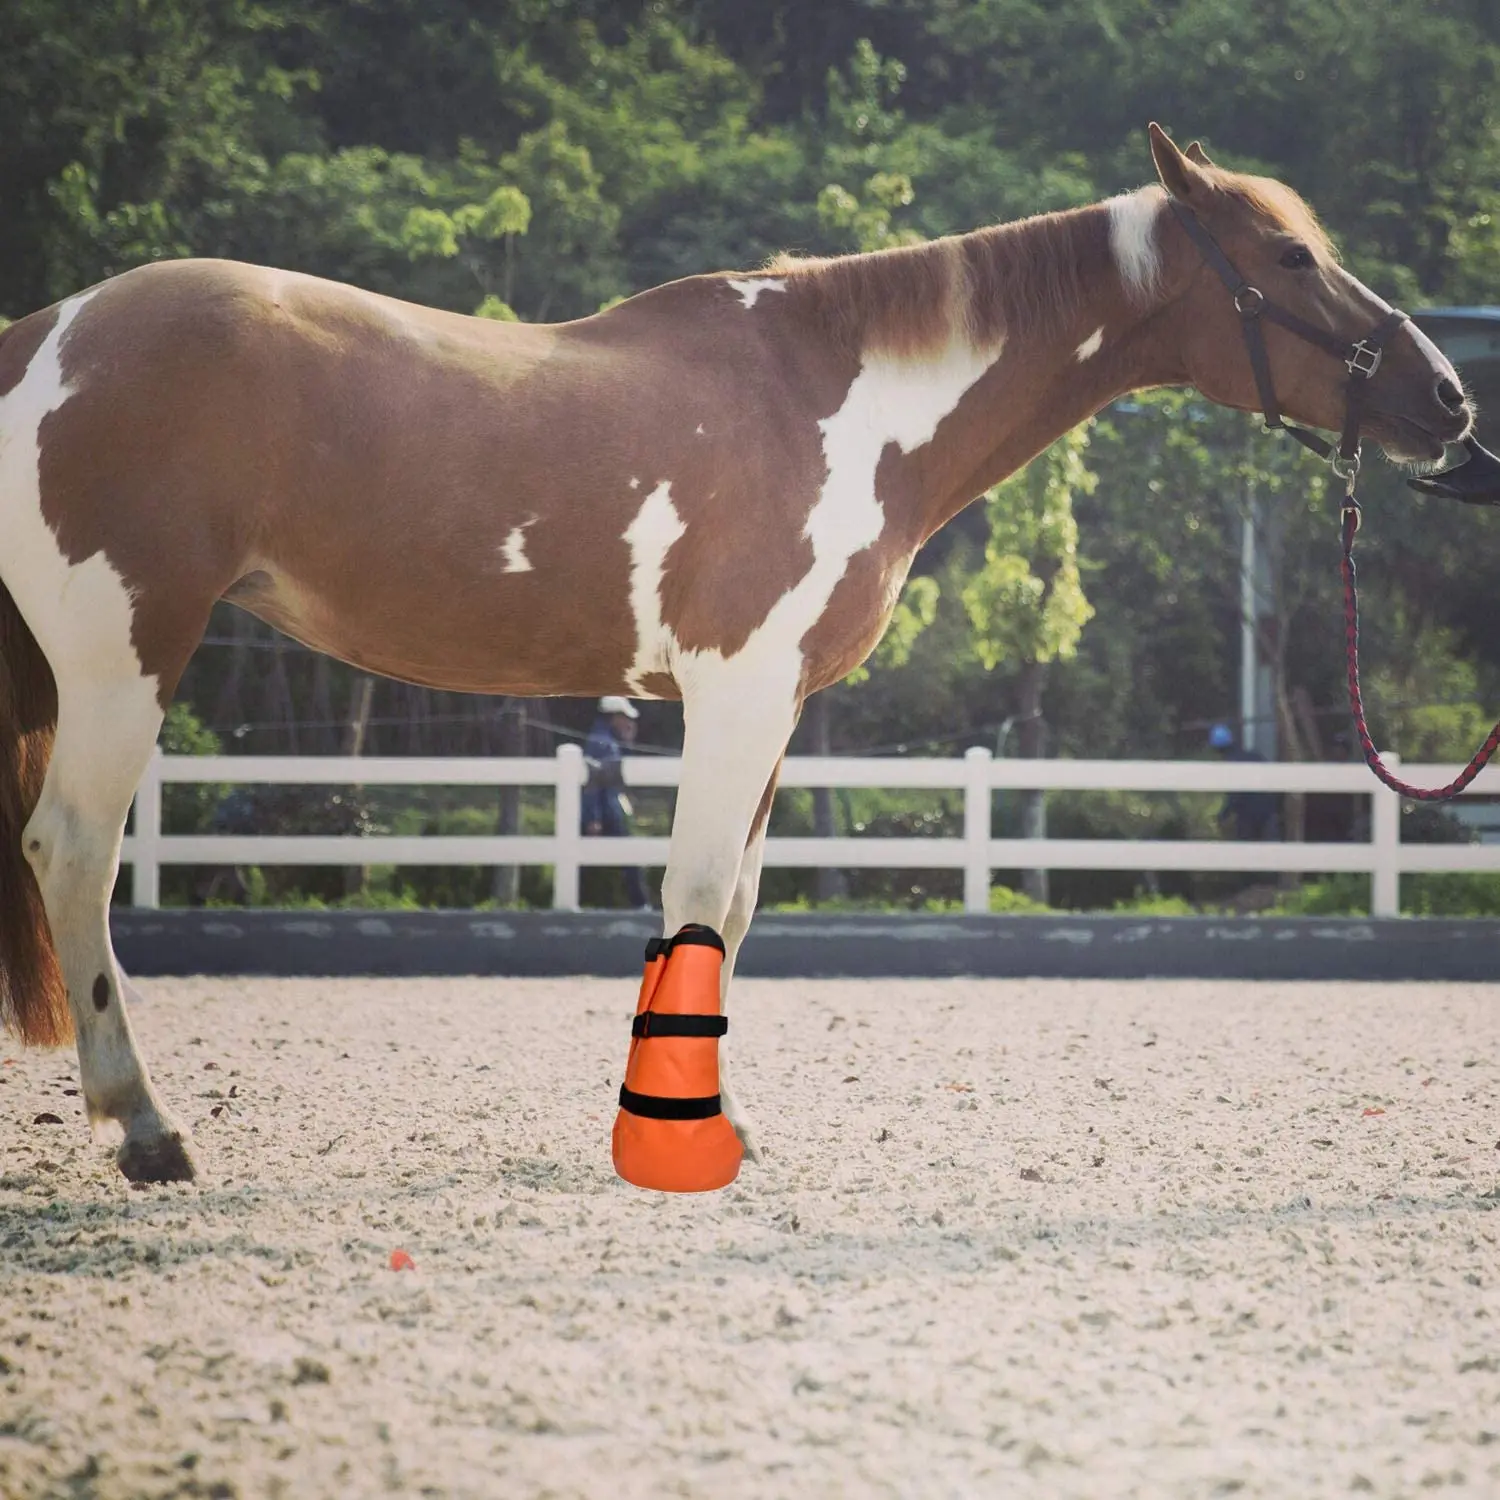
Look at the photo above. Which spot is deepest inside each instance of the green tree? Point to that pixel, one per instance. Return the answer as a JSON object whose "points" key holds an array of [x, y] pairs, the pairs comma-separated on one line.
{"points": [[1025, 602]]}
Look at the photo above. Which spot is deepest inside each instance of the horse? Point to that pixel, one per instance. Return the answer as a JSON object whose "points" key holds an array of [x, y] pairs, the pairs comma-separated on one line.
{"points": [[712, 492]]}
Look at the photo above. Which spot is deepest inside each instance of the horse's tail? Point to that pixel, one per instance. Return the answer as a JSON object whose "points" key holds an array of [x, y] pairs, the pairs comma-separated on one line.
{"points": [[33, 998]]}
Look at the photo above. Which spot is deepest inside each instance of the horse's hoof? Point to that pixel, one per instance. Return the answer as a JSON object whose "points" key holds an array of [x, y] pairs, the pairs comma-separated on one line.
{"points": [[161, 1158], [749, 1142]]}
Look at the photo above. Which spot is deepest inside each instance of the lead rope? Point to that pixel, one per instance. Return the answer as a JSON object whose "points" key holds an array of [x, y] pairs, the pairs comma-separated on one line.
{"points": [[1349, 526]]}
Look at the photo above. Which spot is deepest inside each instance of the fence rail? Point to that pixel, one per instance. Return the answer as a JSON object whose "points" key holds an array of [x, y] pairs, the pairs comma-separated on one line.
{"points": [[1384, 857]]}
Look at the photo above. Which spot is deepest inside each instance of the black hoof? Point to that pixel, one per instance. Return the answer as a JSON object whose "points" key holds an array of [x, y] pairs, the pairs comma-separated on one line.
{"points": [[164, 1158]]}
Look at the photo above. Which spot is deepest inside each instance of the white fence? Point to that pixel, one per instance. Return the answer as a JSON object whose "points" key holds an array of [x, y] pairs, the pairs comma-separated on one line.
{"points": [[1384, 857]]}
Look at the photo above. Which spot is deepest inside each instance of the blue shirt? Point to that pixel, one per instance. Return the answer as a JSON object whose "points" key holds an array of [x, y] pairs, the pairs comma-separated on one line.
{"points": [[602, 753]]}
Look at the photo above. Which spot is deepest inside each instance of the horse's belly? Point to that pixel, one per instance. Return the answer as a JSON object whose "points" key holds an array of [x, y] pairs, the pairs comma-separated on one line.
{"points": [[514, 635]]}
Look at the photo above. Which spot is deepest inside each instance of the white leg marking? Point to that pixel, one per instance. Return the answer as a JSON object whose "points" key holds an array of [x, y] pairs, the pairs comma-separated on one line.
{"points": [[750, 288], [737, 718], [514, 550], [1133, 219], [1091, 345]]}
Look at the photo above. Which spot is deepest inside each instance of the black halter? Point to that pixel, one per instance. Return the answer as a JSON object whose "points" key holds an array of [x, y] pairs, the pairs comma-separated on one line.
{"points": [[1361, 358], [1475, 481]]}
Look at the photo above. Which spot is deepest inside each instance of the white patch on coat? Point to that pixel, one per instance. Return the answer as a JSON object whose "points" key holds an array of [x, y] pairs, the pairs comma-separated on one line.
{"points": [[80, 612], [635, 484], [650, 536], [1091, 345], [891, 400], [698, 430], [1133, 219], [750, 288], [513, 548]]}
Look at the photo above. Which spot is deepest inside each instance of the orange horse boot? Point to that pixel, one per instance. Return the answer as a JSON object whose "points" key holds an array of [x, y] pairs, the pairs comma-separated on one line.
{"points": [[671, 1132]]}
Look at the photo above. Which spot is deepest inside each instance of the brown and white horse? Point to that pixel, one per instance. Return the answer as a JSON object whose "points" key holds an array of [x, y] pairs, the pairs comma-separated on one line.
{"points": [[712, 491]]}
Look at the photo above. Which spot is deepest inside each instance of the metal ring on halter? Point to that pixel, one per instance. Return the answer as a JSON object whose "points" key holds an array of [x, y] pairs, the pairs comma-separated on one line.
{"points": [[1346, 468], [1247, 309], [1364, 359]]}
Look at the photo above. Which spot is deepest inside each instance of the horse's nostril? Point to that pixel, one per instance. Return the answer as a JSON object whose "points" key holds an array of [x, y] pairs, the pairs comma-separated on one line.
{"points": [[1450, 395]]}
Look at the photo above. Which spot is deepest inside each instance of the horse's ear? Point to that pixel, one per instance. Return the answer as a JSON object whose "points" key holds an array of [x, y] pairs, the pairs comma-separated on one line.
{"points": [[1182, 178], [1196, 153]]}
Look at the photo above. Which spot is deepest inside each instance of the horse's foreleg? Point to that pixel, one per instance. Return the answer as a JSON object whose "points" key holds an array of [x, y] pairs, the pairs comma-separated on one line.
{"points": [[736, 728], [105, 734]]}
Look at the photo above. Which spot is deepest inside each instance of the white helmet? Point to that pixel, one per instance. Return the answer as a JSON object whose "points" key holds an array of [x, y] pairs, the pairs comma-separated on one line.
{"points": [[618, 705]]}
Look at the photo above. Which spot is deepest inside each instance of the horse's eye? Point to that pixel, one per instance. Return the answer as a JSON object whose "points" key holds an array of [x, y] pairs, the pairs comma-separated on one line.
{"points": [[1298, 258]]}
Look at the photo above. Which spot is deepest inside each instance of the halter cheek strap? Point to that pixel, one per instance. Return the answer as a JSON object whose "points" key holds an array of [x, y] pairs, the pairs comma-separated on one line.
{"points": [[1361, 358]]}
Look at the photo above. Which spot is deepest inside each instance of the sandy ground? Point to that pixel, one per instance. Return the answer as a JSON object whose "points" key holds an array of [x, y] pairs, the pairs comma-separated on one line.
{"points": [[1056, 1239]]}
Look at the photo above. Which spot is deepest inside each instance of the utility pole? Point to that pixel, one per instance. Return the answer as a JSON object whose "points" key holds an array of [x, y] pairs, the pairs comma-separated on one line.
{"points": [[1257, 687]]}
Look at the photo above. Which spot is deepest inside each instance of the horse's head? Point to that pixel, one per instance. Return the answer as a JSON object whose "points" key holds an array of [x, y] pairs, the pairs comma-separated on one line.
{"points": [[1412, 403]]}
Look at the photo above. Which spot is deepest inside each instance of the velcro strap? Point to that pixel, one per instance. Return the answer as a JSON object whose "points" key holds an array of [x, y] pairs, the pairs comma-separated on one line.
{"points": [[650, 1023], [694, 935], [655, 1107]]}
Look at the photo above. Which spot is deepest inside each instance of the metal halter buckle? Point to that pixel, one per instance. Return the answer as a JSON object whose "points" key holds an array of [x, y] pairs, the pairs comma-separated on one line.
{"points": [[1246, 307], [1364, 359]]}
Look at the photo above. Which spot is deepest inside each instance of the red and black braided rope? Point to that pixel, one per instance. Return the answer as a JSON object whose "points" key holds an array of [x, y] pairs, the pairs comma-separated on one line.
{"points": [[1350, 529]]}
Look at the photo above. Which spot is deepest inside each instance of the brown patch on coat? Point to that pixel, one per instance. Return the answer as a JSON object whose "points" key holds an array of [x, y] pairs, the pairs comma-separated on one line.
{"points": [[763, 811], [19, 343]]}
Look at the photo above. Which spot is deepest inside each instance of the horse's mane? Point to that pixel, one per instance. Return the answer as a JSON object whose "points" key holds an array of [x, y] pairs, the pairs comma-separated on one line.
{"points": [[1006, 280]]}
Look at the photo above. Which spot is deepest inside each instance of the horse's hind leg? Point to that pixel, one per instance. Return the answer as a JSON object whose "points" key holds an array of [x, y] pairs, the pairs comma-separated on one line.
{"points": [[106, 729]]}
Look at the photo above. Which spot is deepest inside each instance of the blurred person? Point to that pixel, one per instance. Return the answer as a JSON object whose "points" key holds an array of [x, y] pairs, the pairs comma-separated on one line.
{"points": [[1245, 815], [606, 807]]}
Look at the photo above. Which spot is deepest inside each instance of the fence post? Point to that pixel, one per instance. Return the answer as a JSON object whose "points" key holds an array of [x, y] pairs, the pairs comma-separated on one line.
{"points": [[977, 828], [145, 881], [1385, 837], [568, 832]]}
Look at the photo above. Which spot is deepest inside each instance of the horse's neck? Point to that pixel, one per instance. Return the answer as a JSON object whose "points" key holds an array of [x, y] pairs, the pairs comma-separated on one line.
{"points": [[1054, 330]]}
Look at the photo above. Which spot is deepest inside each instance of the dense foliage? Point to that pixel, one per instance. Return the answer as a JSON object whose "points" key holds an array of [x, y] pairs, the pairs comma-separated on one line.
{"points": [[540, 158]]}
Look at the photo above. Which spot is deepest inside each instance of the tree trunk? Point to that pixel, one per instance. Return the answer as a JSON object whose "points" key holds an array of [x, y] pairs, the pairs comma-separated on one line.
{"points": [[1295, 748], [512, 726], [361, 695], [1031, 744], [831, 885]]}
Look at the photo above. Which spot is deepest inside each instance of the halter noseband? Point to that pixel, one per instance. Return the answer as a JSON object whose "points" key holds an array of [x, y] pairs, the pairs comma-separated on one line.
{"points": [[1361, 358]]}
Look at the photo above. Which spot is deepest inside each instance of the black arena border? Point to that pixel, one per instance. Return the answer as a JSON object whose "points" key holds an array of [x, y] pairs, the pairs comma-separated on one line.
{"points": [[807, 946]]}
